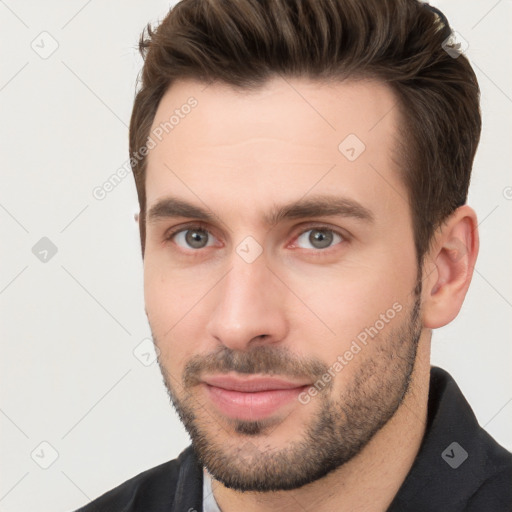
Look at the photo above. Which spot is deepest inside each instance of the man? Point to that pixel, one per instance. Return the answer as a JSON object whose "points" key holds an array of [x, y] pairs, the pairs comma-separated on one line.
{"points": [[302, 168]]}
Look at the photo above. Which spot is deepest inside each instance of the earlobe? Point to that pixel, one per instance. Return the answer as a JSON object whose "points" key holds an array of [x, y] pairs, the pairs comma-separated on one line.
{"points": [[453, 255]]}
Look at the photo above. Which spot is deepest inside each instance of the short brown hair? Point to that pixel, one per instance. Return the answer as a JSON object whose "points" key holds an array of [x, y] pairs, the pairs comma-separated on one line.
{"points": [[244, 43]]}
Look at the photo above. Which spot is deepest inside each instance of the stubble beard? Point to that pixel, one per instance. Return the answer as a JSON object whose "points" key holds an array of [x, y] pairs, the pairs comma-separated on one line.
{"points": [[339, 430]]}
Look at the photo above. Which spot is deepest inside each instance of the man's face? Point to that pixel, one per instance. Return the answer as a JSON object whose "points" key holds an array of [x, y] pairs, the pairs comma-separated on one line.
{"points": [[250, 309]]}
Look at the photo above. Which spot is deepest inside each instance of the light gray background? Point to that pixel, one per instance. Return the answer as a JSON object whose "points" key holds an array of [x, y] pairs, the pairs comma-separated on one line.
{"points": [[70, 325]]}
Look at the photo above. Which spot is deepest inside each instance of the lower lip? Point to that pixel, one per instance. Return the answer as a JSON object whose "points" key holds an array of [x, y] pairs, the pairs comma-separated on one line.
{"points": [[251, 406]]}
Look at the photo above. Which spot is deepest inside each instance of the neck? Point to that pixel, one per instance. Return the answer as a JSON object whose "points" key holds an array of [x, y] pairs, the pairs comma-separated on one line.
{"points": [[370, 480]]}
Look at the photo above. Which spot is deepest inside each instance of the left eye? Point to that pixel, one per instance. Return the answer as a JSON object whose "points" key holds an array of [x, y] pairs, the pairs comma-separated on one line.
{"points": [[319, 238]]}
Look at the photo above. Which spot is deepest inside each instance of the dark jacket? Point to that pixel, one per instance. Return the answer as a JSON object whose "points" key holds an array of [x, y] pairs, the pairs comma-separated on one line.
{"points": [[459, 468]]}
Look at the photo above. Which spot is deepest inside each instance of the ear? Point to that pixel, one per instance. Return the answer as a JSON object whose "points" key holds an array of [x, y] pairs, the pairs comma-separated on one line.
{"points": [[448, 268], [136, 217]]}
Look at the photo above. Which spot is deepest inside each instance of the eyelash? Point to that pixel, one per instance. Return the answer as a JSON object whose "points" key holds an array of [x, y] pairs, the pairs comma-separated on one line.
{"points": [[317, 252]]}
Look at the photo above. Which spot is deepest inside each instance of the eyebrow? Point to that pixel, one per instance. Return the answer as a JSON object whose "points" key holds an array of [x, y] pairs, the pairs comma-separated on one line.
{"points": [[314, 206]]}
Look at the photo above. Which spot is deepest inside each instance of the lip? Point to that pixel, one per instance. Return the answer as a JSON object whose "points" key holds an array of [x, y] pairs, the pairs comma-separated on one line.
{"points": [[252, 397], [251, 383]]}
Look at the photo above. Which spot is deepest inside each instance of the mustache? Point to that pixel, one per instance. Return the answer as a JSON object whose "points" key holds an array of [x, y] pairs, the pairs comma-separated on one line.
{"points": [[260, 360]]}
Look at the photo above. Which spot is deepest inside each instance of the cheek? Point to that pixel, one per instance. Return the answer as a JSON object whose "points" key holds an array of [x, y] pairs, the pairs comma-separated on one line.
{"points": [[163, 312], [173, 306], [168, 293], [350, 298], [157, 298]]}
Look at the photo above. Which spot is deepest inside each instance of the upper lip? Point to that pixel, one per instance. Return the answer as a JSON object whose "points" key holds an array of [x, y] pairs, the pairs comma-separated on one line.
{"points": [[251, 384]]}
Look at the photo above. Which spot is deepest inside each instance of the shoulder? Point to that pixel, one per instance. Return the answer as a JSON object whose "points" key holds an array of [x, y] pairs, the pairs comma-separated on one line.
{"points": [[484, 479], [151, 490], [495, 493], [460, 466]]}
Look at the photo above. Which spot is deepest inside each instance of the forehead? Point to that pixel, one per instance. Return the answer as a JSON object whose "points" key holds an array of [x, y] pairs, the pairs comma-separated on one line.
{"points": [[281, 141]]}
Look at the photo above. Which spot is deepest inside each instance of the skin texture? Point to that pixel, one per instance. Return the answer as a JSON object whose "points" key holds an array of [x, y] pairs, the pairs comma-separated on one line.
{"points": [[304, 300]]}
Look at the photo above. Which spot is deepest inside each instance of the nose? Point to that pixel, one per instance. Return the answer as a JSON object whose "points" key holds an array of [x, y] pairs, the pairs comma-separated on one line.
{"points": [[250, 306]]}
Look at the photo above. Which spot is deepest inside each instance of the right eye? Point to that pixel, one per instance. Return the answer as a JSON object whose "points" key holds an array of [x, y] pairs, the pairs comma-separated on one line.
{"points": [[192, 237]]}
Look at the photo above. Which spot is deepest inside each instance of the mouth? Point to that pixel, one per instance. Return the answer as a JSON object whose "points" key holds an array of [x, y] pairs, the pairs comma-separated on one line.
{"points": [[251, 398]]}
